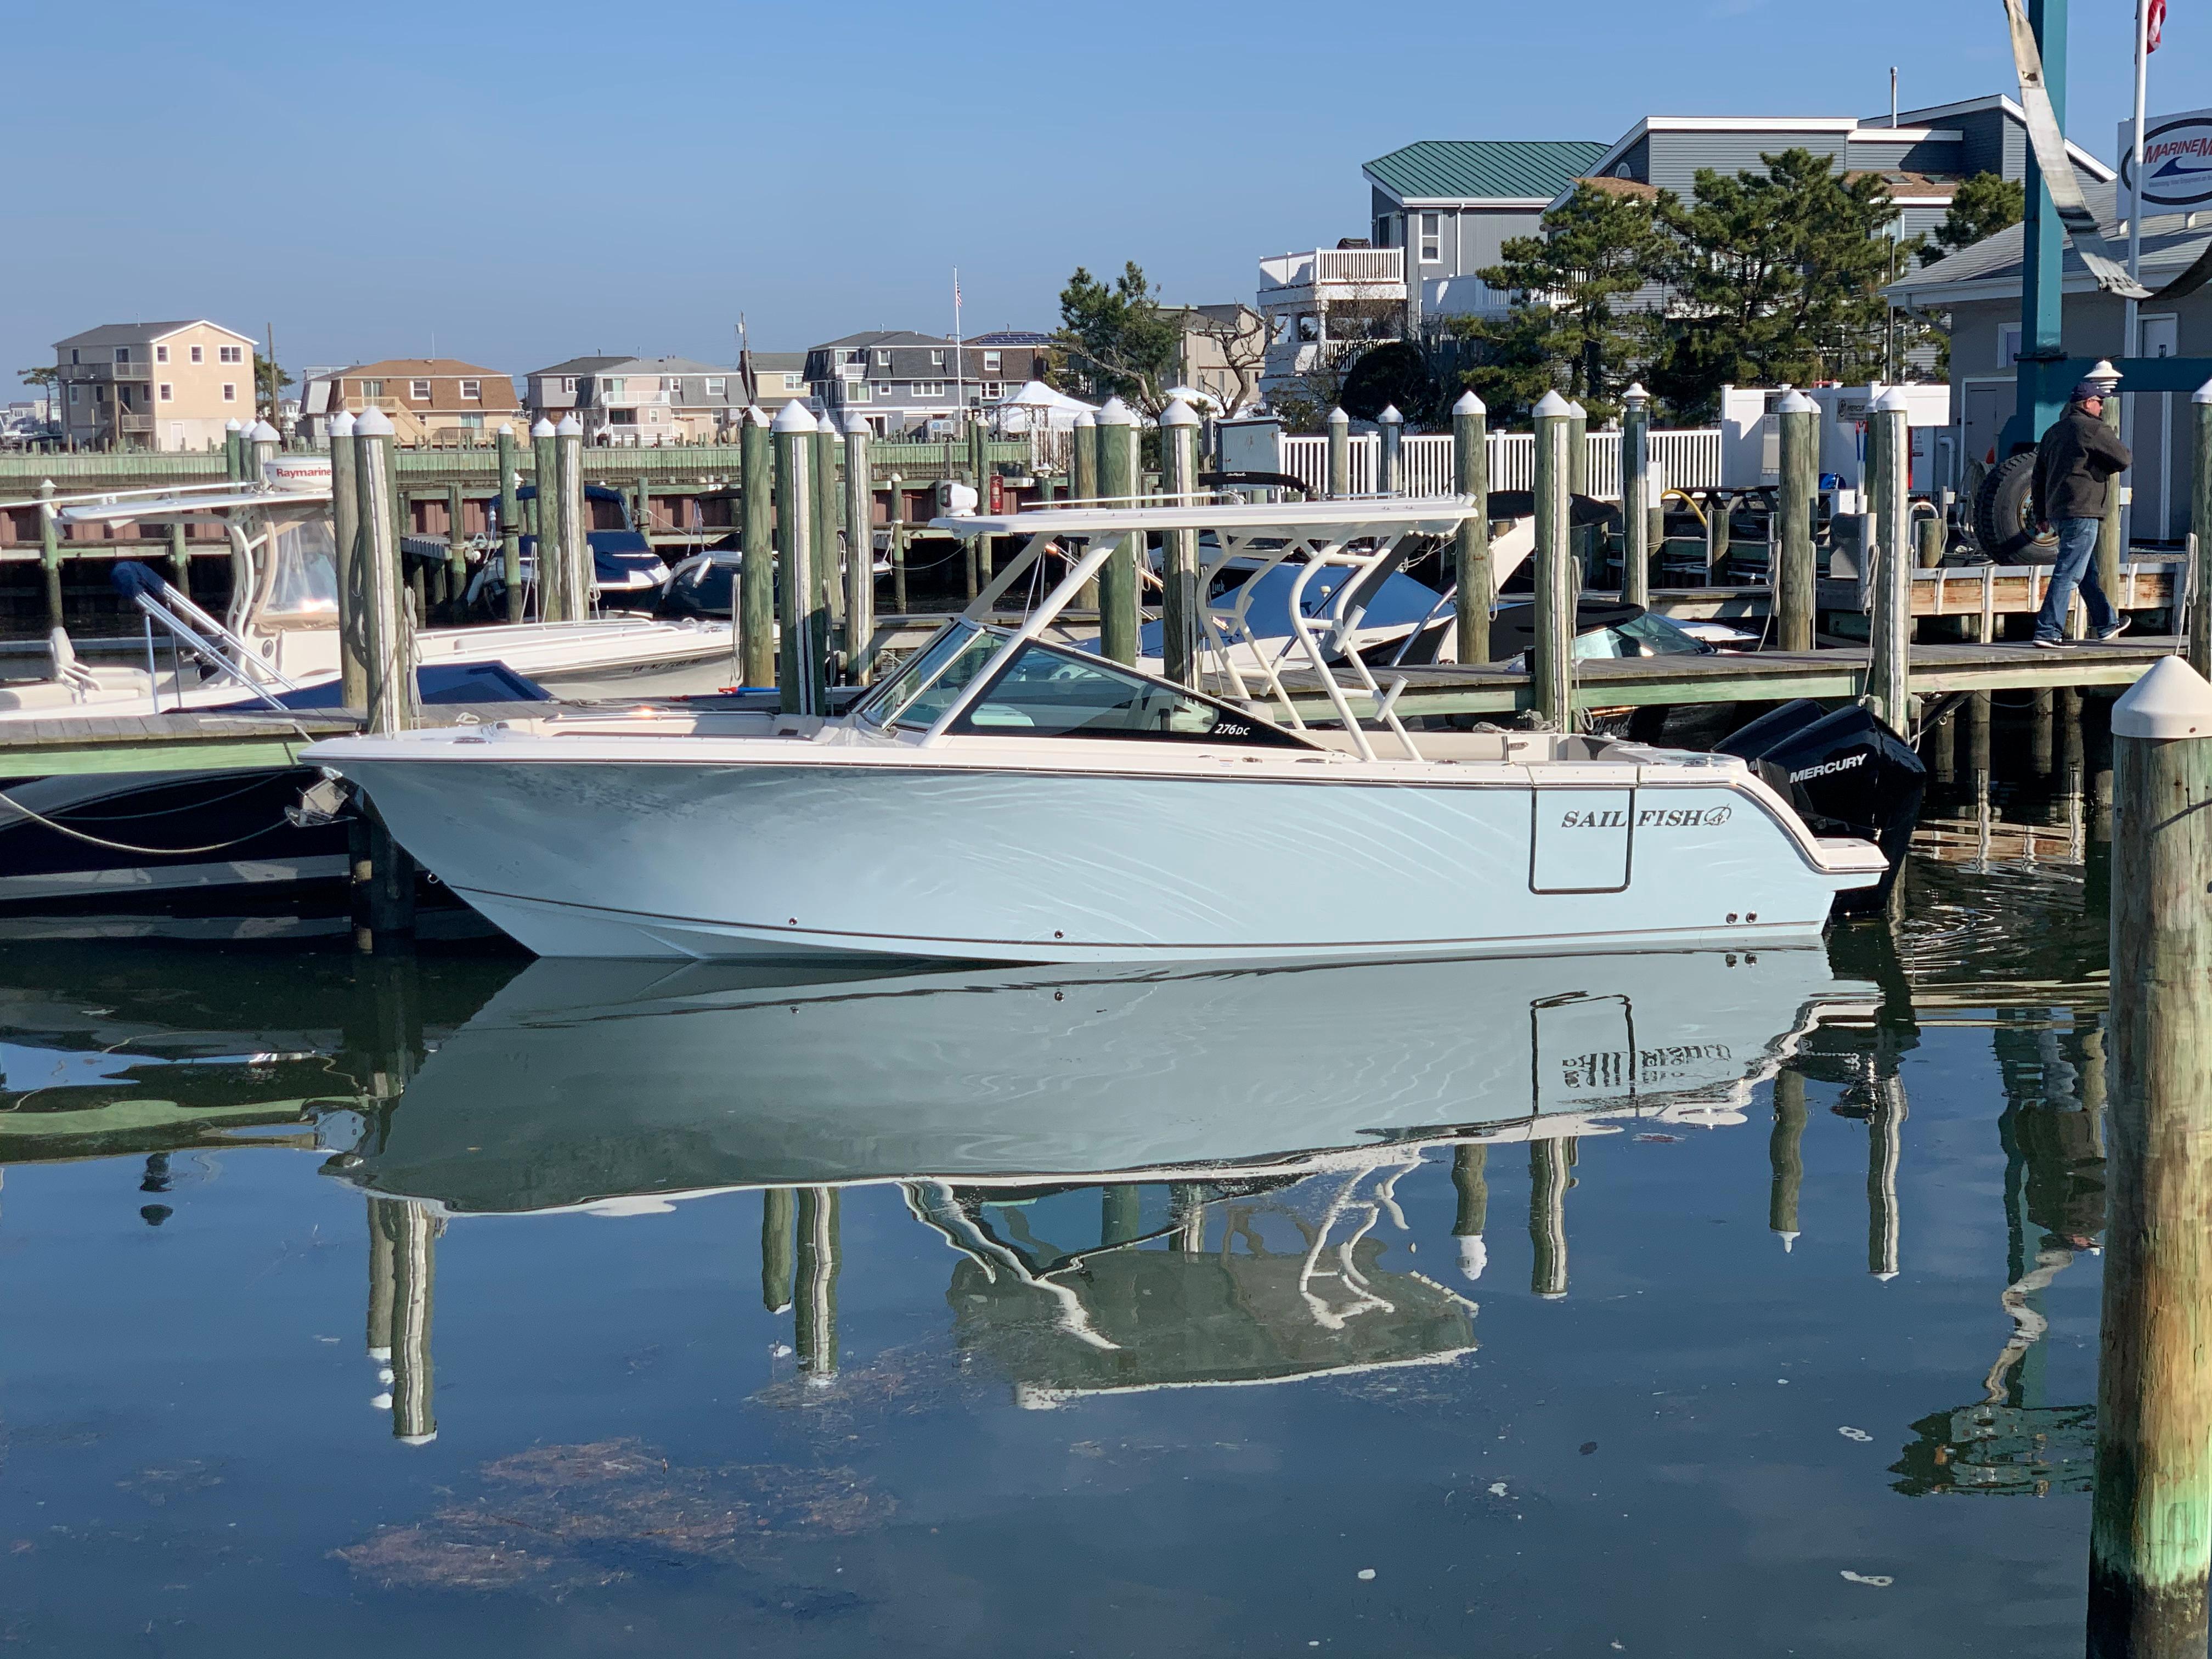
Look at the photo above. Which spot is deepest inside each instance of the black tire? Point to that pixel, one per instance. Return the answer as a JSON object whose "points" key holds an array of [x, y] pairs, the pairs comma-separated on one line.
{"points": [[2003, 508]]}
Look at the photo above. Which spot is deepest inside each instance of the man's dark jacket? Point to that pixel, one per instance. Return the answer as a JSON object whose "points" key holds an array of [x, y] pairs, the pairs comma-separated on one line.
{"points": [[2073, 466]]}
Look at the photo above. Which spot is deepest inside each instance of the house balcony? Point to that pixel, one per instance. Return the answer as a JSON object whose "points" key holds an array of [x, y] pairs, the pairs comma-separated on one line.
{"points": [[131, 371], [1334, 273]]}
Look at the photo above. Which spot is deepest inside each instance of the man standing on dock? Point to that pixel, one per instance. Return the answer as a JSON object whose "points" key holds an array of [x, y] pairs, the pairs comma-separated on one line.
{"points": [[2075, 466]]}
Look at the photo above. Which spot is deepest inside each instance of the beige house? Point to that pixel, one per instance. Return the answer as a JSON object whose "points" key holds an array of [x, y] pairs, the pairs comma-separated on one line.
{"points": [[153, 385], [429, 399], [1225, 351]]}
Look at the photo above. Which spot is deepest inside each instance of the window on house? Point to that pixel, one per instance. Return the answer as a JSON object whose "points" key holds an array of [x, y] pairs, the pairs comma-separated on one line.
{"points": [[990, 362], [856, 392], [993, 389], [568, 385], [2008, 344], [371, 388], [1309, 328], [419, 391], [472, 422], [123, 353], [1432, 239], [622, 418], [794, 382], [927, 389], [610, 389], [883, 360], [74, 389], [199, 354], [168, 393], [73, 356], [123, 396], [99, 394], [937, 360], [718, 386], [230, 353], [230, 391], [472, 389], [160, 353]]}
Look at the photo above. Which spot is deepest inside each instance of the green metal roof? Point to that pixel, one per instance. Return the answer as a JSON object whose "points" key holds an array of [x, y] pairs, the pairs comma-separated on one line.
{"points": [[1441, 168]]}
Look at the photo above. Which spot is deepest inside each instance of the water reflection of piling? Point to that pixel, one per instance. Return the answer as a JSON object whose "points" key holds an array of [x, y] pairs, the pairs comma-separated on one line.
{"points": [[411, 1232], [776, 1249], [379, 1334], [1785, 1151], [817, 1291], [1884, 1143], [2042, 732], [1548, 1162], [1187, 1217], [1118, 1218], [1471, 1182]]}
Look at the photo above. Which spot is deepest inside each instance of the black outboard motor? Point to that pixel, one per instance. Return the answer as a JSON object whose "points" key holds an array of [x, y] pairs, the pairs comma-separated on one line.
{"points": [[1846, 774]]}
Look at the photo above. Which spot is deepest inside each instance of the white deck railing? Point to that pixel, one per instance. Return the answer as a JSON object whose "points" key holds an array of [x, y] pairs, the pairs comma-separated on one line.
{"points": [[1690, 460], [1351, 265]]}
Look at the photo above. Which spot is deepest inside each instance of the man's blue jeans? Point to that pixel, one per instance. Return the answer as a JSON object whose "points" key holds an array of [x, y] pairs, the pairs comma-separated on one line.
{"points": [[2077, 566]]}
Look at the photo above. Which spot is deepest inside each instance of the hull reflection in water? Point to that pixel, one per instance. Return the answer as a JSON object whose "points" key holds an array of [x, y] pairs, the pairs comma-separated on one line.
{"points": [[599, 1083]]}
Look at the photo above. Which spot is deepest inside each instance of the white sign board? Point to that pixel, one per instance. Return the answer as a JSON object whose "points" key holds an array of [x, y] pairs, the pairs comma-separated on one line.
{"points": [[2176, 160]]}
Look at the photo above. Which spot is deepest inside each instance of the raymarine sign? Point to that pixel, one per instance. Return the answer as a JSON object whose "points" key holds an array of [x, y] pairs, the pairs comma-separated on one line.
{"points": [[2177, 160]]}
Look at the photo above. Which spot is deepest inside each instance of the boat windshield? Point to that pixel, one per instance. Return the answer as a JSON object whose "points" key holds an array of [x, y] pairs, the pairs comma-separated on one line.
{"points": [[1046, 692], [918, 695], [303, 585]]}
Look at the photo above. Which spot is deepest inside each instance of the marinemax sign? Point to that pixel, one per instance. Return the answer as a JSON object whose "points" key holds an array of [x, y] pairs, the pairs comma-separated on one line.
{"points": [[2176, 160]]}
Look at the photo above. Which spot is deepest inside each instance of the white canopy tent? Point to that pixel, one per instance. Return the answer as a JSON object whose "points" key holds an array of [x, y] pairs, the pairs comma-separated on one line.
{"points": [[1037, 408]]}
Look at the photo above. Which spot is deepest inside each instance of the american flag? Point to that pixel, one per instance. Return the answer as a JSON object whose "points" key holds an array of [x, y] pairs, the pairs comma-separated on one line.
{"points": [[2154, 25]]}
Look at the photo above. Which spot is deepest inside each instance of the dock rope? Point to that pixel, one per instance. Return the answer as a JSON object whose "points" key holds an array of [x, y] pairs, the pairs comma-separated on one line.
{"points": [[7, 800]]}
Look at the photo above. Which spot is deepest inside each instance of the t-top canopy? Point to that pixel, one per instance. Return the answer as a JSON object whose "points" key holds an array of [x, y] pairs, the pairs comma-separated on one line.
{"points": [[1372, 515]]}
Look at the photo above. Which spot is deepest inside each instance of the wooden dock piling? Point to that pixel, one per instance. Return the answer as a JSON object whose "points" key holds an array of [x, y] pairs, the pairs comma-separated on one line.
{"points": [[828, 568], [1636, 500], [1795, 571], [1391, 453], [1890, 626], [510, 526], [1551, 658], [2151, 1520], [1083, 480], [546, 502], [345, 538], [1339, 455], [1474, 576], [415, 1232], [859, 553], [2198, 623], [1181, 605], [896, 526], [575, 562], [755, 608], [1118, 483], [800, 625], [50, 552], [383, 874]]}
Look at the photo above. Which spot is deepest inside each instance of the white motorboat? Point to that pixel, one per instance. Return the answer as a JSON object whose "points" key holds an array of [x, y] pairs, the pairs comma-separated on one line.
{"points": [[1003, 798], [278, 644]]}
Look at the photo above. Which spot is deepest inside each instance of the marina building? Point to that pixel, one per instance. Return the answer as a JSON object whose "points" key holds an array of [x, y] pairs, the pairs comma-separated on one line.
{"points": [[153, 385], [900, 381]]}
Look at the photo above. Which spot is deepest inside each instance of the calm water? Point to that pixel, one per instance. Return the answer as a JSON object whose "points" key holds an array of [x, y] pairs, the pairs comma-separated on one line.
{"points": [[1674, 1304]]}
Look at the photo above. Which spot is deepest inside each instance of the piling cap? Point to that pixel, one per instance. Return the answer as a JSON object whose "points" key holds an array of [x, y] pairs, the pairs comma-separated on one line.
{"points": [[232, 426], [2203, 394], [1474, 1256], [754, 415], [1551, 407], [856, 426], [1084, 417], [570, 427], [1636, 394], [1390, 417], [265, 433], [372, 422], [1893, 402], [1178, 413], [2105, 375], [541, 428], [1117, 413], [1576, 412], [792, 417], [1796, 403], [2171, 700], [341, 425], [506, 430], [1338, 417], [1468, 404]]}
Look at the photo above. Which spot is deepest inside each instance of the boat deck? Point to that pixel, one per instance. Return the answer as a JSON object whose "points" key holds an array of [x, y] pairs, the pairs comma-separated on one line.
{"points": [[192, 742]]}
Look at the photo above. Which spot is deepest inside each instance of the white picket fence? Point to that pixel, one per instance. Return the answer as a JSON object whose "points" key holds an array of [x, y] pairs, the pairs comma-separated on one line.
{"points": [[1690, 459]]}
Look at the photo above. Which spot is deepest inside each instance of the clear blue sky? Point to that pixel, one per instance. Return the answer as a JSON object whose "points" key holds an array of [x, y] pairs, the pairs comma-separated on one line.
{"points": [[523, 183]]}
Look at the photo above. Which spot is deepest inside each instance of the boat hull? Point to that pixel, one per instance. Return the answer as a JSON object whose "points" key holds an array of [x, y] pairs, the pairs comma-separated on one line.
{"points": [[684, 857]]}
